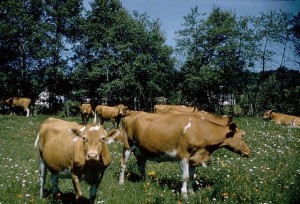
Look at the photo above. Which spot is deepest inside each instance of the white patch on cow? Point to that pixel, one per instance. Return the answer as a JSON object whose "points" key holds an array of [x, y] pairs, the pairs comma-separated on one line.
{"points": [[82, 129], [94, 128], [188, 125], [172, 153], [75, 139]]}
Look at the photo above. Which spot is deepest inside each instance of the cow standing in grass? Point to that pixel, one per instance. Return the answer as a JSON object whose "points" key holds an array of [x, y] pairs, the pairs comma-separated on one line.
{"points": [[67, 147], [177, 137], [112, 113], [18, 102], [86, 111]]}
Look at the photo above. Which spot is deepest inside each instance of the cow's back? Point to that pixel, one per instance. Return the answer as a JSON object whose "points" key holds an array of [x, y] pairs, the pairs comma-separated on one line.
{"points": [[24, 102], [107, 112]]}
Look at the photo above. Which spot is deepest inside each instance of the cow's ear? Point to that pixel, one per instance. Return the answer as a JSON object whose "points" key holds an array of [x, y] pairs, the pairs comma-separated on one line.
{"points": [[76, 132], [232, 130], [232, 126], [105, 155]]}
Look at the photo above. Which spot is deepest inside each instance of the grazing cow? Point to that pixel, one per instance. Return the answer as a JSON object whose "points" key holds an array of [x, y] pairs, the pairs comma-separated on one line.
{"points": [[114, 114], [177, 137], [280, 118], [69, 148], [86, 111], [18, 102], [169, 108]]}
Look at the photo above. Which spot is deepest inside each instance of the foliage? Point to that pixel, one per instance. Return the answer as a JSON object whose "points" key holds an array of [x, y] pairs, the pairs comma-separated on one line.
{"points": [[270, 175], [113, 56]]}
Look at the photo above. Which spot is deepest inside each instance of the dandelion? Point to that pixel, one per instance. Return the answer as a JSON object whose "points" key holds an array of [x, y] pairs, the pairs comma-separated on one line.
{"points": [[225, 195], [152, 173]]}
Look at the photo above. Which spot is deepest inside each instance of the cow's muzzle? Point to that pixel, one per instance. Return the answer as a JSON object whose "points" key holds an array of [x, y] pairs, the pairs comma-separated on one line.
{"points": [[93, 156]]}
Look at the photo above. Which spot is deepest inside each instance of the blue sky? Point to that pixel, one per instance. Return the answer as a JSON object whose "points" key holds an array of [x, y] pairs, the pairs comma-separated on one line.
{"points": [[171, 12]]}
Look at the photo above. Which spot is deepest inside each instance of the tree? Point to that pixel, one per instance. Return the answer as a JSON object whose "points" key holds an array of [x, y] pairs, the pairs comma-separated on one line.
{"points": [[213, 57], [19, 45], [122, 58]]}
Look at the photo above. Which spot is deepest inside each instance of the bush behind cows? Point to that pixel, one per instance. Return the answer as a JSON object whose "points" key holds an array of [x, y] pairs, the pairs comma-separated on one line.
{"points": [[270, 175]]}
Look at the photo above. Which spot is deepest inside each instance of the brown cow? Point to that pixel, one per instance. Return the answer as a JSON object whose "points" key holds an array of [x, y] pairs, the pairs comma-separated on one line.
{"points": [[169, 108], [86, 111], [113, 113], [18, 102], [177, 137], [70, 148], [280, 118]]}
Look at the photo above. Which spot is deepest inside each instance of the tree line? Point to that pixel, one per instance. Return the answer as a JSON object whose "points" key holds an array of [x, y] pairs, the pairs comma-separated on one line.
{"points": [[221, 62]]}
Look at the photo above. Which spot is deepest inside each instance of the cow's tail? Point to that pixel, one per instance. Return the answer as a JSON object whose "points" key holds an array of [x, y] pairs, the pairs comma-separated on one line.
{"points": [[37, 140], [95, 117]]}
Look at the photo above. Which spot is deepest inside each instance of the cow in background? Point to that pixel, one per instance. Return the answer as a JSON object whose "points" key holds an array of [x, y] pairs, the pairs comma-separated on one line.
{"points": [[177, 137], [279, 118], [170, 108], [113, 113], [68, 149], [18, 102], [86, 111]]}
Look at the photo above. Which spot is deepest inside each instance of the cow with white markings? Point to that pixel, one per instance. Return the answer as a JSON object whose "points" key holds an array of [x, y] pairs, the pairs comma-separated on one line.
{"points": [[186, 138]]}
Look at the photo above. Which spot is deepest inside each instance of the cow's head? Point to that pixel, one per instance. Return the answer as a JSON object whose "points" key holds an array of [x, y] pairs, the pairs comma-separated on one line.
{"points": [[84, 108], [267, 114], [235, 140], [95, 148], [122, 109]]}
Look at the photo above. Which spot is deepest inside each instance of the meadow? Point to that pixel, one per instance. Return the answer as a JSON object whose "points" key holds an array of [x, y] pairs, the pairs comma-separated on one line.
{"points": [[270, 175]]}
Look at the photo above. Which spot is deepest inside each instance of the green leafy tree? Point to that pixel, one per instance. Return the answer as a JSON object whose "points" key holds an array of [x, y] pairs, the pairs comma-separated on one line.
{"points": [[213, 57], [122, 58], [19, 46]]}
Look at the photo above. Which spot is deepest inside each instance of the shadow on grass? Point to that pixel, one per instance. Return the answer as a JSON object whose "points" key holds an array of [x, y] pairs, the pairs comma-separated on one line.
{"points": [[176, 185], [172, 184], [65, 198]]}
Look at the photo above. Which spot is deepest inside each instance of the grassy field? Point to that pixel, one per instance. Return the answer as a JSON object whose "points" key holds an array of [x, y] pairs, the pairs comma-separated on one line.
{"points": [[270, 175]]}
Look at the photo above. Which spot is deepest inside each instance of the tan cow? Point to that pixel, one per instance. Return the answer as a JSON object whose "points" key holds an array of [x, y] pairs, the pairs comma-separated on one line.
{"points": [[113, 113], [280, 118], [70, 148], [177, 137], [18, 102], [86, 111], [169, 108]]}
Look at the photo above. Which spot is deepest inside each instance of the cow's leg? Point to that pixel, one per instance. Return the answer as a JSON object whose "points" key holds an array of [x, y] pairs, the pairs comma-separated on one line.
{"points": [[184, 166], [54, 180], [27, 110], [191, 176], [141, 163], [76, 184], [42, 179], [95, 118], [126, 156], [93, 189]]}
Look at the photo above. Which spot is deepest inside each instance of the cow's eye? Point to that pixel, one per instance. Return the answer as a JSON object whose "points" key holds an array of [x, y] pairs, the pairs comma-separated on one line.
{"points": [[85, 139]]}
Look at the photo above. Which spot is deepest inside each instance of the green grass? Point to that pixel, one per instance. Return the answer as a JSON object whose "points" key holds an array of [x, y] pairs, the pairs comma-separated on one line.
{"points": [[270, 175]]}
